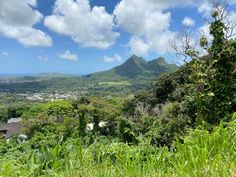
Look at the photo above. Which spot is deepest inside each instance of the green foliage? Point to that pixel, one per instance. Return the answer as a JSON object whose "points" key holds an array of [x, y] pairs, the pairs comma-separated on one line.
{"points": [[167, 85], [134, 75], [164, 87], [59, 109], [82, 120], [155, 133], [213, 76], [17, 109], [126, 131], [3, 114], [136, 68], [172, 123], [200, 154]]}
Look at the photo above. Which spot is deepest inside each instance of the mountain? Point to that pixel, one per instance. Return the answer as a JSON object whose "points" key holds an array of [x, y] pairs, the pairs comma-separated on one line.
{"points": [[135, 68], [134, 75]]}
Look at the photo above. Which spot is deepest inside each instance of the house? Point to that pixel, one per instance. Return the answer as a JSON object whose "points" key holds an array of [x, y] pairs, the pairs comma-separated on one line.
{"points": [[12, 127]]}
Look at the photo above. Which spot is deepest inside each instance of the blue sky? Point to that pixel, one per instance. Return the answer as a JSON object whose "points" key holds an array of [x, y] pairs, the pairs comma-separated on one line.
{"points": [[84, 36]]}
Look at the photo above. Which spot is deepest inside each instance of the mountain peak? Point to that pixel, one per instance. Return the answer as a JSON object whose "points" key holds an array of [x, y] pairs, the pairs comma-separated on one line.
{"points": [[160, 61], [134, 56], [136, 67], [136, 60]]}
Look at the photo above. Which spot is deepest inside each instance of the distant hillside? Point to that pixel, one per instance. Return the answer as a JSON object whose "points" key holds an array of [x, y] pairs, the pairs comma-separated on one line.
{"points": [[135, 68], [134, 75], [52, 75]]}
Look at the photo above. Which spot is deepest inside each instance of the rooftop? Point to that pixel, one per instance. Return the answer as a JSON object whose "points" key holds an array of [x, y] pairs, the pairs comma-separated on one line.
{"points": [[13, 126]]}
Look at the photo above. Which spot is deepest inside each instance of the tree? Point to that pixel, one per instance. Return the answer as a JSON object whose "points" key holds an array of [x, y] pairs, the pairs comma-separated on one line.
{"points": [[213, 75], [3, 114], [60, 109], [82, 110]]}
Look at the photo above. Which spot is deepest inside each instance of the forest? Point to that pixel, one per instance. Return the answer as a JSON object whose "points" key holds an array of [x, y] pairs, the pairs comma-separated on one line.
{"points": [[182, 125]]}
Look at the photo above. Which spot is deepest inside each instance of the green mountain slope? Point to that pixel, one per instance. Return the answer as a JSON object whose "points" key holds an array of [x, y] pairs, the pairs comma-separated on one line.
{"points": [[136, 74], [135, 68]]}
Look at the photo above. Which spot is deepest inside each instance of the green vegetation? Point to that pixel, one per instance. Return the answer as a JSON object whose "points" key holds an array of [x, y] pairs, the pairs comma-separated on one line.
{"points": [[122, 83], [183, 126], [201, 154], [136, 68], [134, 75]]}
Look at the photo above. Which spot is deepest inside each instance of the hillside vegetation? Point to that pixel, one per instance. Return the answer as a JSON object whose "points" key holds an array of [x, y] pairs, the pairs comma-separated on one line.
{"points": [[137, 72], [201, 154], [136, 68], [185, 125]]}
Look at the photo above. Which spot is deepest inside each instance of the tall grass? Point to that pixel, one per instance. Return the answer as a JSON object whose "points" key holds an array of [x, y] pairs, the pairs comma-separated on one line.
{"points": [[201, 154]]}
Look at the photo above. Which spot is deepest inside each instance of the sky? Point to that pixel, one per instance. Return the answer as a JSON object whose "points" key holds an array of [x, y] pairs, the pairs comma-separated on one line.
{"points": [[85, 36]]}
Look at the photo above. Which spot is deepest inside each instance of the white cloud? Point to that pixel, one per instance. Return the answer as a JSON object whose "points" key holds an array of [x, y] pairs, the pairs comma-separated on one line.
{"points": [[141, 21], [205, 9], [146, 20], [31, 2], [204, 30], [67, 55], [89, 27], [5, 54], [115, 58], [149, 21], [138, 46], [187, 21], [17, 19], [149, 25], [161, 42], [43, 58]]}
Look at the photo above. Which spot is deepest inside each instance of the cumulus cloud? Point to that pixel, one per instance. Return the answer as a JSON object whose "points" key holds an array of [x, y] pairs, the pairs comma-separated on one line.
{"points": [[205, 9], [204, 30], [148, 22], [149, 25], [187, 21], [141, 21], [43, 58], [115, 58], [161, 43], [67, 55], [89, 27], [31, 2], [17, 19], [138, 46]]}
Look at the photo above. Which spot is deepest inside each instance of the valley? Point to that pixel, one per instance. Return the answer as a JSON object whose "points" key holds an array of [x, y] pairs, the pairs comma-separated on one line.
{"points": [[140, 118]]}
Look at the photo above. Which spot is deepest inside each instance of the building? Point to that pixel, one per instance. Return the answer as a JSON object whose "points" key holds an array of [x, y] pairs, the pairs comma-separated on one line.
{"points": [[12, 127]]}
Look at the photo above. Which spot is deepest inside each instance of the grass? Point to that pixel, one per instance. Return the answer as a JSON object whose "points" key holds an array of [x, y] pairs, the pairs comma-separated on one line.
{"points": [[202, 154], [120, 83]]}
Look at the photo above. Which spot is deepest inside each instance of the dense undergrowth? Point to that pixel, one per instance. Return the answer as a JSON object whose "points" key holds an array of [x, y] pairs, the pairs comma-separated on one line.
{"points": [[201, 154]]}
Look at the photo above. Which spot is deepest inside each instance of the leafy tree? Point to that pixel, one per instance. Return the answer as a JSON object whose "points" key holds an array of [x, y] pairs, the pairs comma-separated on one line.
{"points": [[60, 109], [3, 114], [82, 110], [164, 87], [17, 109], [126, 131], [213, 75]]}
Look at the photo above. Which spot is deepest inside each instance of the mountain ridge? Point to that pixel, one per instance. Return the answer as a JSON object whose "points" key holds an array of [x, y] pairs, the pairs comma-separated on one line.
{"points": [[136, 67], [134, 75]]}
